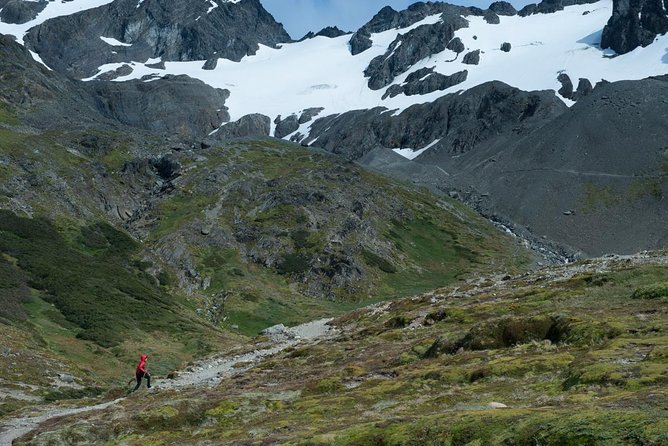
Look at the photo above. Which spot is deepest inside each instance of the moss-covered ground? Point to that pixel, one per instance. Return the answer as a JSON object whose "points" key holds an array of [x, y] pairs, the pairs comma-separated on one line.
{"points": [[575, 355]]}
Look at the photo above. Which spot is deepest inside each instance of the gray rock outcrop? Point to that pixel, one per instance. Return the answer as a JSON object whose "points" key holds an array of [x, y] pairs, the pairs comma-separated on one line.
{"points": [[550, 6], [461, 121], [506, 47], [584, 89], [472, 58], [491, 17], [426, 81], [173, 104], [329, 31], [308, 114], [170, 30], [17, 11], [456, 45], [387, 18], [634, 23], [286, 126], [360, 42], [253, 125], [409, 48], [566, 89], [503, 8]]}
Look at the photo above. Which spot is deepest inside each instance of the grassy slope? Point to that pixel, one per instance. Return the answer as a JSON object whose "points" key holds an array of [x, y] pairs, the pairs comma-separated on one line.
{"points": [[578, 354], [77, 294], [412, 241]]}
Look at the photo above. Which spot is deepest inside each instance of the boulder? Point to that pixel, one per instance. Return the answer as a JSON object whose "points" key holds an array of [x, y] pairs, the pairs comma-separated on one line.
{"points": [[566, 90], [472, 58], [253, 125], [505, 47], [211, 63], [584, 89], [456, 45]]}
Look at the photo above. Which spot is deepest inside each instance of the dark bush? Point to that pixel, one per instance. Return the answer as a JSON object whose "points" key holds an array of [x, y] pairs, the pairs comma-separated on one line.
{"points": [[377, 261]]}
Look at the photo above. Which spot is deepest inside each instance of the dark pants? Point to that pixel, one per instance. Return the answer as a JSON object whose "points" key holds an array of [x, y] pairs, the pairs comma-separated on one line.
{"points": [[141, 375]]}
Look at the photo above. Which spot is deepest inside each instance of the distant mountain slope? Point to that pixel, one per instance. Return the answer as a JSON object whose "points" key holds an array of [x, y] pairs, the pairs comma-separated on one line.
{"points": [[595, 178]]}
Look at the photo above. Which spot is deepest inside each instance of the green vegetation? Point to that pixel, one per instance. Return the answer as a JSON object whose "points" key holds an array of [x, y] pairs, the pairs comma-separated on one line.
{"points": [[94, 285], [299, 233], [575, 355]]}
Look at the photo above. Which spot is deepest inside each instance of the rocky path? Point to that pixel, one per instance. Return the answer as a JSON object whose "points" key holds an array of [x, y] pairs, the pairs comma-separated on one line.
{"points": [[207, 372]]}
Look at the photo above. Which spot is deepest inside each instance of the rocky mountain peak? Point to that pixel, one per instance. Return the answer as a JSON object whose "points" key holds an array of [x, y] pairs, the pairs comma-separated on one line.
{"points": [[165, 30]]}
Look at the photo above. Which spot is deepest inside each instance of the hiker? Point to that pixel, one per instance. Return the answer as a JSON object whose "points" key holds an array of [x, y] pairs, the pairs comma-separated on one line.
{"points": [[141, 372]]}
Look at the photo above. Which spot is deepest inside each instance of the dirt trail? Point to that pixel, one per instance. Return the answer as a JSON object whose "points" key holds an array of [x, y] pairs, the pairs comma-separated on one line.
{"points": [[207, 372]]}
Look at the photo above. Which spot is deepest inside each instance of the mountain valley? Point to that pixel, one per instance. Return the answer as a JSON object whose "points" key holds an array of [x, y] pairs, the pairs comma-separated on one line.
{"points": [[475, 200]]}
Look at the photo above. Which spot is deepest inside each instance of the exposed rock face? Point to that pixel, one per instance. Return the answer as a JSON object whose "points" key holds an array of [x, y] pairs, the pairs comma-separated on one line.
{"points": [[360, 42], [506, 47], [566, 89], [456, 45], [309, 114], [249, 125], [408, 49], [17, 11], [286, 126], [211, 64], [491, 17], [602, 158], [634, 23], [331, 32], [387, 18], [472, 58], [425, 81], [550, 6], [584, 89], [503, 8], [173, 104], [460, 121], [178, 31]]}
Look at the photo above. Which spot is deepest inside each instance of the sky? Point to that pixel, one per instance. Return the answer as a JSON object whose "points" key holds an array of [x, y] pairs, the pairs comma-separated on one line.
{"points": [[301, 16]]}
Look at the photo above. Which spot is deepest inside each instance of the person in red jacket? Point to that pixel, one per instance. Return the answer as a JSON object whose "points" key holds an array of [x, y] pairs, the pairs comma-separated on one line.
{"points": [[141, 372]]}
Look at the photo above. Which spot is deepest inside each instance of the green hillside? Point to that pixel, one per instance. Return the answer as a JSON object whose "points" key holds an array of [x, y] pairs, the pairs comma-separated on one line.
{"points": [[574, 355]]}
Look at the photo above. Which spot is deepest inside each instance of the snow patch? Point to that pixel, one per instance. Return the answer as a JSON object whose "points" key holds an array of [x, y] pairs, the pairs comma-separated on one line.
{"points": [[213, 4], [113, 42], [411, 154]]}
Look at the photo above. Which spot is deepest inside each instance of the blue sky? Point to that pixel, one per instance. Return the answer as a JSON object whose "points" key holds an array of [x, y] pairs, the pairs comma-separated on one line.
{"points": [[300, 16]]}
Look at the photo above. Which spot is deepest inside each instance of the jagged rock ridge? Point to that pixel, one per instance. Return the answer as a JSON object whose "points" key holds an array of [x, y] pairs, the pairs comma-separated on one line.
{"points": [[153, 29]]}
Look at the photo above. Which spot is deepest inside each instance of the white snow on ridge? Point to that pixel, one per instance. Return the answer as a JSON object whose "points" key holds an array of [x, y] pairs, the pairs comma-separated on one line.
{"points": [[56, 8], [321, 72]]}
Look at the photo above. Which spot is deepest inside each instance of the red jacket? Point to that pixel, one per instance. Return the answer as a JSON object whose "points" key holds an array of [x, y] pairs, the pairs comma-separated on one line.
{"points": [[141, 367]]}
